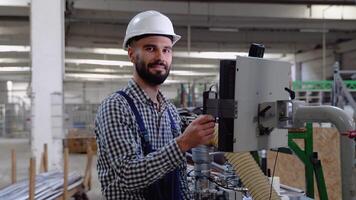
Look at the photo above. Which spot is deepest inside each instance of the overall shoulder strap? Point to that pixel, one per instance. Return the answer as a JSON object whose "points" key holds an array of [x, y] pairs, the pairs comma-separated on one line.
{"points": [[173, 123], [138, 117]]}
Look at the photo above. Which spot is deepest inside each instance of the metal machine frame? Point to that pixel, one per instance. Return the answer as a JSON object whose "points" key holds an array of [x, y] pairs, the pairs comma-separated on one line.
{"points": [[310, 160]]}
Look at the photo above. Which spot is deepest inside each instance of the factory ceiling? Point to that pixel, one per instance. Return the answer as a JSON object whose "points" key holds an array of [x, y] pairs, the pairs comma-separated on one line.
{"points": [[94, 32]]}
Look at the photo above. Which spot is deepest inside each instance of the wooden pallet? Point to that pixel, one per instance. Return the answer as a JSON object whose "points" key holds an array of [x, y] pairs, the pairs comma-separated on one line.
{"points": [[78, 141]]}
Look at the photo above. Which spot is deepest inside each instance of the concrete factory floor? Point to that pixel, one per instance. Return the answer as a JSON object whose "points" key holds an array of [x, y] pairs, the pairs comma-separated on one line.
{"points": [[22, 147]]}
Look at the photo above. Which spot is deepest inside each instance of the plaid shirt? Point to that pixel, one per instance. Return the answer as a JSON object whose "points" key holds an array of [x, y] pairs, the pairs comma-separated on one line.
{"points": [[123, 170]]}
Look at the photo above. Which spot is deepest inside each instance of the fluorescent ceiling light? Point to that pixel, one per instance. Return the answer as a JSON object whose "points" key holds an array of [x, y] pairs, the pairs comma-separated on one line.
{"points": [[111, 51], [192, 73], [170, 81], [109, 77], [225, 55], [98, 76], [224, 29], [97, 70], [15, 48], [313, 30], [207, 66], [181, 54], [15, 69], [13, 60], [129, 64], [117, 51], [209, 55], [22, 3], [99, 62]]}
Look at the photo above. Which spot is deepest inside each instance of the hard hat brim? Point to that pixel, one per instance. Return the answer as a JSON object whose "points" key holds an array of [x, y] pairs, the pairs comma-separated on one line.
{"points": [[175, 38]]}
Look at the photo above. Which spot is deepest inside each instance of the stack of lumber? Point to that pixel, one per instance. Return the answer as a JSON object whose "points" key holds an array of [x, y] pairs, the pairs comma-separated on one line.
{"points": [[53, 185], [48, 185]]}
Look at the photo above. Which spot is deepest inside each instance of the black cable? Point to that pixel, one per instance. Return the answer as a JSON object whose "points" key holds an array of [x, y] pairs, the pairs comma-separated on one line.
{"points": [[274, 168], [189, 173], [211, 87], [218, 184], [211, 179]]}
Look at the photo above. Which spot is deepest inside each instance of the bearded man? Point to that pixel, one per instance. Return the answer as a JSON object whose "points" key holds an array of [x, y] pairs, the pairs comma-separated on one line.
{"points": [[141, 150]]}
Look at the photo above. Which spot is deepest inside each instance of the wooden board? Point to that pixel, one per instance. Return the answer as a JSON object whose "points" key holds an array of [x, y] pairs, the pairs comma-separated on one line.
{"points": [[291, 170]]}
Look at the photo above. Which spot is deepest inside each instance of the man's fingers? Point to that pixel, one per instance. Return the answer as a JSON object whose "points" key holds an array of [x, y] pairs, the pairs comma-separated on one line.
{"points": [[208, 125], [207, 132], [207, 139], [204, 119]]}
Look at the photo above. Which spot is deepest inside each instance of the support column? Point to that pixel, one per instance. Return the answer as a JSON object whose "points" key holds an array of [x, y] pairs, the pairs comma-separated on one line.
{"points": [[192, 93], [3, 102], [298, 71], [47, 55], [183, 96]]}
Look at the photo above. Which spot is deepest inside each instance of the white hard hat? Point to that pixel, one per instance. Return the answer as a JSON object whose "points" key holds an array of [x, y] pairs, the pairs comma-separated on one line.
{"points": [[149, 22]]}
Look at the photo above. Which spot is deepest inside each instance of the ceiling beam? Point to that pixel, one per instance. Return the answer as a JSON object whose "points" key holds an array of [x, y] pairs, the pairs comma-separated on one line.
{"points": [[307, 2], [343, 47], [103, 56], [121, 18], [264, 10]]}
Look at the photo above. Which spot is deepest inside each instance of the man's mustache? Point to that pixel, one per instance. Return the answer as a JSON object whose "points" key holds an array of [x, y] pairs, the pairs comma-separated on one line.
{"points": [[158, 62]]}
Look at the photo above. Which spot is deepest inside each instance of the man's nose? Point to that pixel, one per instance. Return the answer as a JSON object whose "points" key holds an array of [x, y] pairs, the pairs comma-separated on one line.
{"points": [[159, 54]]}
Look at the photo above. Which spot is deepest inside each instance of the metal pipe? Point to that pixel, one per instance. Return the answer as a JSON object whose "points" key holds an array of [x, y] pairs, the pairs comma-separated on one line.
{"points": [[332, 114], [343, 123], [347, 71], [202, 160], [218, 167], [347, 146], [214, 165]]}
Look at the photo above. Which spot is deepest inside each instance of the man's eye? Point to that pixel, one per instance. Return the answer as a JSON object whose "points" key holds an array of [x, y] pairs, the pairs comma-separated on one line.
{"points": [[150, 49], [167, 50]]}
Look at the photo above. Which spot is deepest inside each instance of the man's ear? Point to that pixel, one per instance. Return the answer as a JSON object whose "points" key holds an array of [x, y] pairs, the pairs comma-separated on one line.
{"points": [[131, 54]]}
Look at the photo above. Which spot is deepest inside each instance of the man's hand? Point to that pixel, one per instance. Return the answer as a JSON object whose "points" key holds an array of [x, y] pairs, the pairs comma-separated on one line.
{"points": [[199, 132]]}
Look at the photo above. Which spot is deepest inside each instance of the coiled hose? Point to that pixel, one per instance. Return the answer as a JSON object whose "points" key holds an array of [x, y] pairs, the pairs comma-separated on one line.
{"points": [[250, 174]]}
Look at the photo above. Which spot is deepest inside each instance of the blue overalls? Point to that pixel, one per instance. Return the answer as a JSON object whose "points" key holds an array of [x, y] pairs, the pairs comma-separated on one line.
{"points": [[168, 187]]}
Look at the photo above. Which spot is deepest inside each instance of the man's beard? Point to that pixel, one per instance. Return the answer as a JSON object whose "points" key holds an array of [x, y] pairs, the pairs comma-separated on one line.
{"points": [[151, 78]]}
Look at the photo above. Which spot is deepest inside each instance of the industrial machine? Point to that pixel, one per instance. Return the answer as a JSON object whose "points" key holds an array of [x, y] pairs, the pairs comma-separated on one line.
{"points": [[254, 109]]}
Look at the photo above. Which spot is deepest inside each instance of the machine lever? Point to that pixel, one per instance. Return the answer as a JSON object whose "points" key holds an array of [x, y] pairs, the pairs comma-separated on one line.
{"points": [[291, 93], [263, 112]]}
